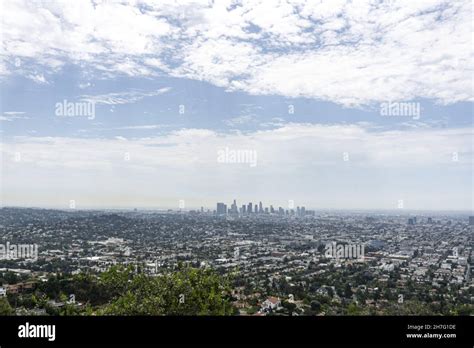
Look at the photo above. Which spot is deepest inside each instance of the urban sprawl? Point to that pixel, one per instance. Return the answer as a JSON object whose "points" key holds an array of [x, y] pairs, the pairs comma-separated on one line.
{"points": [[280, 261]]}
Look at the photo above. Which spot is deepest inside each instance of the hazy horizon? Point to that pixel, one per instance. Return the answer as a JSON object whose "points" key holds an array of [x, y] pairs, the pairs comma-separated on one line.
{"points": [[397, 211]]}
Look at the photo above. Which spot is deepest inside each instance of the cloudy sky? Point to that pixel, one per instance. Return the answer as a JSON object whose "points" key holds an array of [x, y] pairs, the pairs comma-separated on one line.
{"points": [[300, 84]]}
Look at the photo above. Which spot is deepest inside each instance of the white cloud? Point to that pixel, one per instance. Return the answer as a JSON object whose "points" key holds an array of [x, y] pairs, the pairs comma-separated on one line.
{"points": [[304, 160], [351, 53], [285, 145], [38, 78], [84, 85], [240, 120], [13, 115], [122, 97]]}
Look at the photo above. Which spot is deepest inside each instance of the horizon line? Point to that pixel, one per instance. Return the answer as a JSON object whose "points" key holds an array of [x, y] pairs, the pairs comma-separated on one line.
{"points": [[91, 208]]}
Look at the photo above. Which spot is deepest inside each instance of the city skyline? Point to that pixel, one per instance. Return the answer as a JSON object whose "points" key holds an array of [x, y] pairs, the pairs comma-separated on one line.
{"points": [[250, 208]]}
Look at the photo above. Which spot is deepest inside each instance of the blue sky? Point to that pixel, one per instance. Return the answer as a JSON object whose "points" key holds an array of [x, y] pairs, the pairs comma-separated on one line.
{"points": [[299, 83]]}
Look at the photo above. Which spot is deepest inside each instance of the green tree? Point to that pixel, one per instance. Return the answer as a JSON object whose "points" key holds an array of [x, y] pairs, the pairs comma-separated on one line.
{"points": [[5, 308], [187, 291], [289, 307], [315, 306], [352, 309]]}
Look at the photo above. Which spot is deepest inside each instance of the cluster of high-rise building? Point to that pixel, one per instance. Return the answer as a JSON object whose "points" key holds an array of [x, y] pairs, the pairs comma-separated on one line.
{"points": [[250, 209]]}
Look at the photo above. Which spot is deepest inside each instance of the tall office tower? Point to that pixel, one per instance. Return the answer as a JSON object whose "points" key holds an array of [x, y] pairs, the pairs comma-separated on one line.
{"points": [[281, 211], [430, 220], [202, 209], [221, 209], [414, 219], [249, 208], [471, 220], [411, 221], [234, 207], [260, 207], [256, 209], [266, 210], [303, 211], [298, 211], [243, 209], [272, 210]]}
